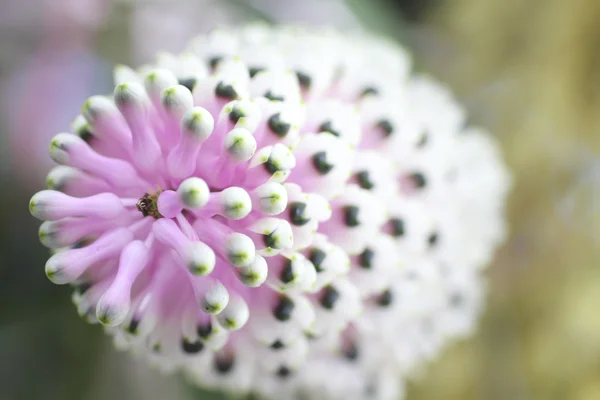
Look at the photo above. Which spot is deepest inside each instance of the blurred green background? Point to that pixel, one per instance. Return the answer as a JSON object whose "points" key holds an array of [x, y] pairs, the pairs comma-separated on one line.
{"points": [[529, 70]]}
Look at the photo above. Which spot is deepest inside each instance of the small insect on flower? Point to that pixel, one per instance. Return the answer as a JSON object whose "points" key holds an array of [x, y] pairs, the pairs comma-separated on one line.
{"points": [[264, 214]]}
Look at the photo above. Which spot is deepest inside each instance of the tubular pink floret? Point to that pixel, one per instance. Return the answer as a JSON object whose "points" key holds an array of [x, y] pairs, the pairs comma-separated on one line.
{"points": [[169, 204], [196, 126], [105, 121], [67, 266], [51, 205], [276, 211], [114, 304], [133, 102], [70, 150], [156, 81], [232, 203], [68, 231], [74, 182], [197, 256], [233, 247]]}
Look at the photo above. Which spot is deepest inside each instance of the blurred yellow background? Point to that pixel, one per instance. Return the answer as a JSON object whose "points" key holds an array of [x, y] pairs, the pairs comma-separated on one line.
{"points": [[533, 70]]}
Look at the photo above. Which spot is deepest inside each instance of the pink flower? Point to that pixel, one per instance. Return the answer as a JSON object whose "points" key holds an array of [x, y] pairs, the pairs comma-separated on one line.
{"points": [[278, 210]]}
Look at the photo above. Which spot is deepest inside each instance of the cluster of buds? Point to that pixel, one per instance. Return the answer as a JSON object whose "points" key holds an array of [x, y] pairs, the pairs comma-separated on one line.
{"points": [[278, 210]]}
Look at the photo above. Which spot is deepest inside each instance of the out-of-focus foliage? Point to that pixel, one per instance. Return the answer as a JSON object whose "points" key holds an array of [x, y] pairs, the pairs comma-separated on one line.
{"points": [[530, 71]]}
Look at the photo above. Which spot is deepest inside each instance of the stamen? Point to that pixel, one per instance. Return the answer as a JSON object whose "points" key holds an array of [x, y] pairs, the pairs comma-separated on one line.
{"points": [[351, 216], [284, 309], [273, 97], [386, 126], [277, 126], [276, 234], [317, 256], [284, 372], [191, 347], [205, 330], [277, 345], [255, 70], [366, 258], [351, 352], [320, 163], [433, 239], [287, 273], [304, 79], [398, 228], [276, 160], [385, 298], [369, 91], [226, 91], [327, 126], [364, 181], [224, 364], [188, 83], [329, 297], [297, 211], [418, 180], [235, 114]]}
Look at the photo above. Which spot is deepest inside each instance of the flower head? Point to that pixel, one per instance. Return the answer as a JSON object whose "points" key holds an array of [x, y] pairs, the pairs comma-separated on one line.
{"points": [[278, 210]]}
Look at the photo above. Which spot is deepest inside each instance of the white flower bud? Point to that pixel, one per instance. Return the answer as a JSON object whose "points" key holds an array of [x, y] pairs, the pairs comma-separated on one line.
{"points": [[177, 100], [158, 80], [60, 176], [200, 259], [240, 249], [235, 315], [193, 193], [62, 144], [254, 274], [235, 203], [271, 198], [240, 144], [215, 298], [198, 123], [130, 94], [98, 107]]}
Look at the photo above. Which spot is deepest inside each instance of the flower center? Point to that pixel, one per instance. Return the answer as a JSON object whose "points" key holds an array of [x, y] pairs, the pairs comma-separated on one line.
{"points": [[147, 205]]}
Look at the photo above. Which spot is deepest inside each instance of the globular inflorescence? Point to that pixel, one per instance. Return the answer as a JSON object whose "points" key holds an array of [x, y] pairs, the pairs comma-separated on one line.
{"points": [[281, 211]]}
